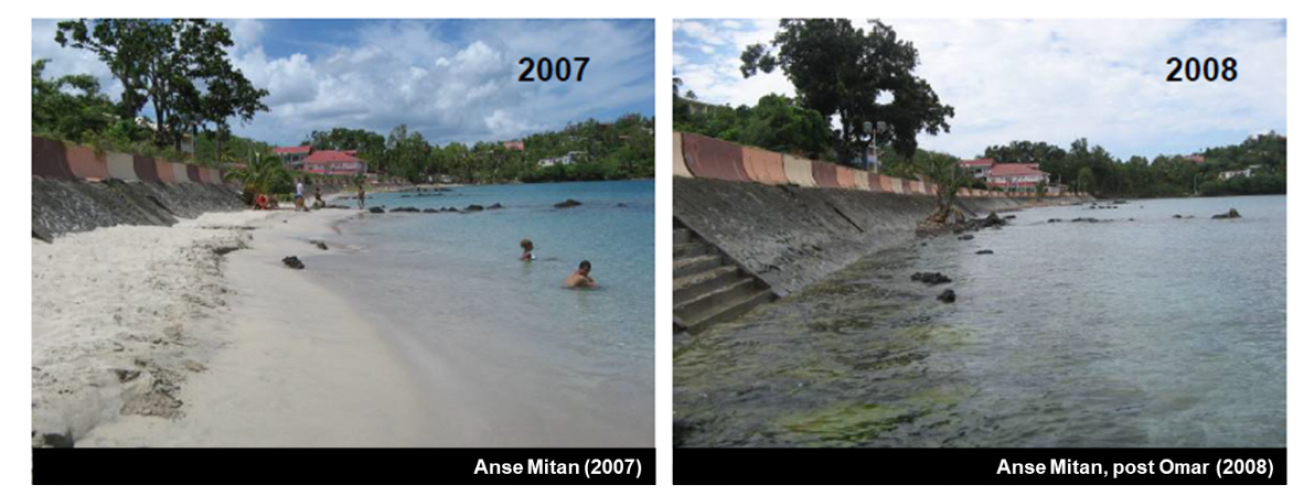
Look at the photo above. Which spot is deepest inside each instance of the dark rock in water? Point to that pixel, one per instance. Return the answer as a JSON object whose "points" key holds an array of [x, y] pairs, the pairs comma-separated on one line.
{"points": [[621, 205], [1090, 220], [1093, 207], [993, 220], [474, 208], [376, 210], [568, 203], [1231, 214], [930, 278], [1177, 216], [293, 263], [1054, 220], [495, 206], [984, 252], [966, 237], [451, 209], [1129, 219], [431, 210], [321, 245], [947, 296], [56, 440], [406, 209], [1008, 217]]}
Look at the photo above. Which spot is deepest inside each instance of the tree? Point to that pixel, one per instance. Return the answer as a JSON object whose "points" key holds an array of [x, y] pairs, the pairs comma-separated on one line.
{"points": [[945, 172], [180, 67], [264, 174], [69, 107], [1086, 182], [840, 70]]}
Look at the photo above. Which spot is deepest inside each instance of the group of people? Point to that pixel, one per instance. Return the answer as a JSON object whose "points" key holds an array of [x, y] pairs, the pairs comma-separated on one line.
{"points": [[300, 201], [264, 201], [579, 279]]}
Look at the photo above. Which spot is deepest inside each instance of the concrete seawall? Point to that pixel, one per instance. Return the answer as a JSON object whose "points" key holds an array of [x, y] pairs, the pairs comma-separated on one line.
{"points": [[77, 188], [63, 206], [792, 221], [790, 236]]}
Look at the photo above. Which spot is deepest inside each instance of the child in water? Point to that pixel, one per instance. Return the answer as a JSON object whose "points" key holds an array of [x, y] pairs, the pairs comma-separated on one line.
{"points": [[580, 278], [528, 246]]}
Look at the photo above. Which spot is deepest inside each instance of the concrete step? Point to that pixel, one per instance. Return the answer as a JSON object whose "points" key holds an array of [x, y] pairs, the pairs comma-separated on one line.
{"points": [[729, 310], [692, 286], [693, 265], [708, 301], [689, 250], [683, 235]]}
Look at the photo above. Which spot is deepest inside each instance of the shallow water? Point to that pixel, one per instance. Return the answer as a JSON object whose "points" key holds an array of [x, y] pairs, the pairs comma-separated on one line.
{"points": [[1153, 331], [530, 362]]}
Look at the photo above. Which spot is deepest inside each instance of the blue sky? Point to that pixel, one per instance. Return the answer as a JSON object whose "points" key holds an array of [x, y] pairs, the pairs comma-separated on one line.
{"points": [[1047, 80], [452, 80]]}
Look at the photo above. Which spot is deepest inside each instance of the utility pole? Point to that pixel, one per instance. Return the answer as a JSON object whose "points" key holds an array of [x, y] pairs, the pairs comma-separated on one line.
{"points": [[874, 128]]}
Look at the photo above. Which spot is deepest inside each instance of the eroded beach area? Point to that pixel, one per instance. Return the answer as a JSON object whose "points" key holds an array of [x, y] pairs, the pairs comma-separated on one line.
{"points": [[1135, 329]]}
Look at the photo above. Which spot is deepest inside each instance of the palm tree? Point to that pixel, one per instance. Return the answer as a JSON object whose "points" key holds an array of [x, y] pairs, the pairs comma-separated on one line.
{"points": [[265, 174], [944, 171]]}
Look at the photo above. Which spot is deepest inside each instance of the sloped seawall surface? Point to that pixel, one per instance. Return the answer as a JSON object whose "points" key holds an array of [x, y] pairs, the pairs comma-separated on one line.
{"points": [[63, 206]]}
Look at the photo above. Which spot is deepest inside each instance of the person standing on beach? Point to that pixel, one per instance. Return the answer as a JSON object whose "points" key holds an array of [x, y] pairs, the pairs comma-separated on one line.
{"points": [[580, 278], [528, 246], [362, 195], [298, 196]]}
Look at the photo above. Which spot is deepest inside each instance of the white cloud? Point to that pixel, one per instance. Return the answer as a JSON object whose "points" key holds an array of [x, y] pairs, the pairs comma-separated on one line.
{"points": [[451, 81], [1050, 80]]}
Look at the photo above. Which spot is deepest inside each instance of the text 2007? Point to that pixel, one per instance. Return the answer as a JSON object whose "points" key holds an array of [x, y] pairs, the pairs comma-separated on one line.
{"points": [[545, 69]]}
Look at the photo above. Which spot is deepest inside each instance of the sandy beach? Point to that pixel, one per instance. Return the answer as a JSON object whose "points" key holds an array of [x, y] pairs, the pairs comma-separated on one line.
{"points": [[197, 335]]}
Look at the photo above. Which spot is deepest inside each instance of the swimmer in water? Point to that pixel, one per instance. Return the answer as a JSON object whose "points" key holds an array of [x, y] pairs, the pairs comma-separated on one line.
{"points": [[580, 278], [528, 246]]}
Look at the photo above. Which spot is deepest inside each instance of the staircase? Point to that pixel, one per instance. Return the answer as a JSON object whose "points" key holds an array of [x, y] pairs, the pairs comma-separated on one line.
{"points": [[709, 289]]}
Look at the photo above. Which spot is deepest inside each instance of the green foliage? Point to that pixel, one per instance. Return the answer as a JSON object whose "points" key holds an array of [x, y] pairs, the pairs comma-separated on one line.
{"points": [[70, 107], [622, 149], [265, 174], [776, 123], [180, 67], [846, 72], [1092, 168], [1261, 184]]}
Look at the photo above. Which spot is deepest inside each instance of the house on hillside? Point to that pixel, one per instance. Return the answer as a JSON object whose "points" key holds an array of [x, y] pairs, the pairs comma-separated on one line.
{"points": [[344, 163], [1246, 172], [293, 156], [514, 145], [569, 158]]}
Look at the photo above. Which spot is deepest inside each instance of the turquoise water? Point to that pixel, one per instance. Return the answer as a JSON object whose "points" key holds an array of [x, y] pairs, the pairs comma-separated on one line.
{"points": [[549, 365], [1141, 331]]}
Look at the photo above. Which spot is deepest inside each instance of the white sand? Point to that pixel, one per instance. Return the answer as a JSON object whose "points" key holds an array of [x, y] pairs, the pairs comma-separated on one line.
{"points": [[145, 336]]}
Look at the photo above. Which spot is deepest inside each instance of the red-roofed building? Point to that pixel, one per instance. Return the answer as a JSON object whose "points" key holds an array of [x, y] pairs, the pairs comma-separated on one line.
{"points": [[1016, 177], [514, 145], [335, 162], [293, 156], [978, 167]]}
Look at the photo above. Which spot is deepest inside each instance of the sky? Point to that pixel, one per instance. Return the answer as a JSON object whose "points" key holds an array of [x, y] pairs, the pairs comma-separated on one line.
{"points": [[1046, 80], [451, 80]]}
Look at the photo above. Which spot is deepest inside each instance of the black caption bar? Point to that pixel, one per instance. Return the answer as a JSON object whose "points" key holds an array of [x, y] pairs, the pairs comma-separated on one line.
{"points": [[981, 466], [345, 466]]}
